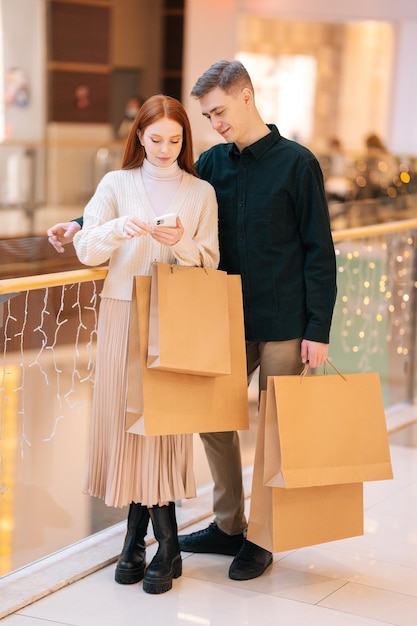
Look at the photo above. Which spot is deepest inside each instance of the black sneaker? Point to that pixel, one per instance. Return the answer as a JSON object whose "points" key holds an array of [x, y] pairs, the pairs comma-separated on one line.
{"points": [[211, 540], [250, 562]]}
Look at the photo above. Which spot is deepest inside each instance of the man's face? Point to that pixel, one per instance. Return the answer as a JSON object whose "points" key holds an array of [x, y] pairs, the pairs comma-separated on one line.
{"points": [[226, 113]]}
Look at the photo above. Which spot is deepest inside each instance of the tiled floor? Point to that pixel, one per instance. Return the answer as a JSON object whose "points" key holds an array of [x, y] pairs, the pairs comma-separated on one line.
{"points": [[368, 580]]}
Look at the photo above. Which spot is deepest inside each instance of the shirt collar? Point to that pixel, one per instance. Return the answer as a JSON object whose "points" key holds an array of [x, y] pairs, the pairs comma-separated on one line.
{"points": [[262, 145]]}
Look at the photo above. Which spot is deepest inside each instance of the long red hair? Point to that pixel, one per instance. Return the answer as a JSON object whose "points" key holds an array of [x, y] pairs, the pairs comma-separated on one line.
{"points": [[152, 110]]}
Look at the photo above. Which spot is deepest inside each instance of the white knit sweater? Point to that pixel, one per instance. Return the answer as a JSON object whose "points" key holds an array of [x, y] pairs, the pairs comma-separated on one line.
{"points": [[121, 194]]}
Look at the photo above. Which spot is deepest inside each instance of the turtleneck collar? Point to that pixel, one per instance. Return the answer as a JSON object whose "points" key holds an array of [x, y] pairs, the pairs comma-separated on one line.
{"points": [[166, 173]]}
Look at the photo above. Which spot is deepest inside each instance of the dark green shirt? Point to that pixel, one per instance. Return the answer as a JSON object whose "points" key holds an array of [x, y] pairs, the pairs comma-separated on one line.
{"points": [[274, 230]]}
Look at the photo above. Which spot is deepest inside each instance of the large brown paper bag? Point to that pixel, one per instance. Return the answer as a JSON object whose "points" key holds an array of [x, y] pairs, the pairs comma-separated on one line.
{"points": [[167, 403], [284, 519], [325, 430], [189, 320]]}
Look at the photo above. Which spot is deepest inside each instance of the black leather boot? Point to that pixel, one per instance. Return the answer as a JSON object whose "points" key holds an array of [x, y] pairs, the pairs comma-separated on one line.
{"points": [[167, 563], [130, 567]]}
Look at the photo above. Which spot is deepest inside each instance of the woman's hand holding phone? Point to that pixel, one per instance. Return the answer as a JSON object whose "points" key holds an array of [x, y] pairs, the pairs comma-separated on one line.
{"points": [[166, 234], [169, 220]]}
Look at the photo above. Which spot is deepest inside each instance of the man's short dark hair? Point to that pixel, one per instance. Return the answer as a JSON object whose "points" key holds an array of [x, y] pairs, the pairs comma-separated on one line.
{"points": [[228, 75]]}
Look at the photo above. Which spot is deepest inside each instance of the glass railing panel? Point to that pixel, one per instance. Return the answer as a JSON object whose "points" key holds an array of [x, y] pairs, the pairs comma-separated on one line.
{"points": [[374, 324], [47, 377]]}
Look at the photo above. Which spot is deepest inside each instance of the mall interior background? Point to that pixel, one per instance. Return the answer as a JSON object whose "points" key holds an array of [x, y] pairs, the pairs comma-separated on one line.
{"points": [[354, 77], [318, 73]]}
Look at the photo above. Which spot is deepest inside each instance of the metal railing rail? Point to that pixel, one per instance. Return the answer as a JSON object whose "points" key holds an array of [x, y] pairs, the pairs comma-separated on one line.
{"points": [[28, 283], [375, 230]]}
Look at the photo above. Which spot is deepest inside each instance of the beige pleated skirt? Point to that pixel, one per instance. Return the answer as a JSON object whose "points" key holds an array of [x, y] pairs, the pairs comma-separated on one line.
{"points": [[123, 467]]}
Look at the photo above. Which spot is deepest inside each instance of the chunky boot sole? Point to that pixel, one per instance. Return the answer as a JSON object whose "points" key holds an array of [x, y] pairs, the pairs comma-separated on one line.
{"points": [[164, 583], [129, 576]]}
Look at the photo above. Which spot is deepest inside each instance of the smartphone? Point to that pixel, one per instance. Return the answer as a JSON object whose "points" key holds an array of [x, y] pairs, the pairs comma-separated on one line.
{"points": [[170, 219]]}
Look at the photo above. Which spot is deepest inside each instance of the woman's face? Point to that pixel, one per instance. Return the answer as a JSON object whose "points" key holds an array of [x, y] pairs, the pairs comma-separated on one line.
{"points": [[162, 141]]}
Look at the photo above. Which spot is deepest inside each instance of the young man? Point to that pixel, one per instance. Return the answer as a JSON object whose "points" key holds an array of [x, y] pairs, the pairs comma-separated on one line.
{"points": [[274, 230]]}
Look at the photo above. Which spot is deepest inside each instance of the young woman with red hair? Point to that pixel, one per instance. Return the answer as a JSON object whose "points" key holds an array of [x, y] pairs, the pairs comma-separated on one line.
{"points": [[147, 473]]}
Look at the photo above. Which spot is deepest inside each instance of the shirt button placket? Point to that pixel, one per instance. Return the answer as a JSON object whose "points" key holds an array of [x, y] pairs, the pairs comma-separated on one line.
{"points": [[241, 232]]}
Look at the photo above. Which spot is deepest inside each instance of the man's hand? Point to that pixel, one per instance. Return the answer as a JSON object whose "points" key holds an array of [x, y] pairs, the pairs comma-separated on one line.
{"points": [[61, 234], [313, 352]]}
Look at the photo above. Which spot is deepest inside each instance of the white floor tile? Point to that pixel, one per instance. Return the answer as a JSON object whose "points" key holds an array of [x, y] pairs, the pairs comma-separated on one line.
{"points": [[190, 601], [341, 566], [391, 608]]}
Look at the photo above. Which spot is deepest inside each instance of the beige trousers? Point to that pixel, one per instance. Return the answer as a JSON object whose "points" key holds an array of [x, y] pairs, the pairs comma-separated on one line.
{"points": [[274, 358]]}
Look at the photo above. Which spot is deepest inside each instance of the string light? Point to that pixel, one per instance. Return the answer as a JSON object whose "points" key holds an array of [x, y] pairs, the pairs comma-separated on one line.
{"points": [[376, 286], [47, 358]]}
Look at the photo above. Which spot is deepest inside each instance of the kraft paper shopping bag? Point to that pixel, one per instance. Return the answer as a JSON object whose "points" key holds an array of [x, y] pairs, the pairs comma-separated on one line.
{"points": [[189, 320], [166, 403], [325, 429], [284, 519]]}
